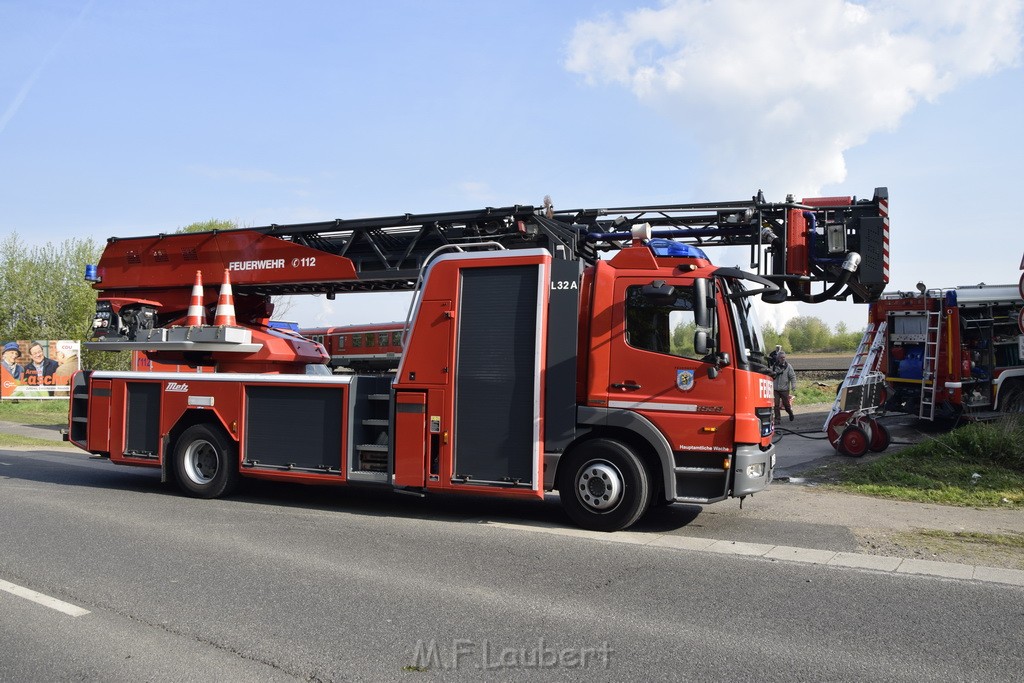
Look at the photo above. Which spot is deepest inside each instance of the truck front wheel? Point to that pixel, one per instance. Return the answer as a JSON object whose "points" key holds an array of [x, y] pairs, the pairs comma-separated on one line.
{"points": [[205, 463], [604, 485]]}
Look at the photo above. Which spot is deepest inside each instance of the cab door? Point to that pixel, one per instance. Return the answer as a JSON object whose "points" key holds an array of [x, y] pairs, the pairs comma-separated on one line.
{"points": [[654, 371]]}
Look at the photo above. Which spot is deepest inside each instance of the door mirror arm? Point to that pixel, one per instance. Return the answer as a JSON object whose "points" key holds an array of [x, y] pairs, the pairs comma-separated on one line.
{"points": [[717, 360]]}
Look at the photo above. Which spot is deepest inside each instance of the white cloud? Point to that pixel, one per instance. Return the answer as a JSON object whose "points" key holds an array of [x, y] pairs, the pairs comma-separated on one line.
{"points": [[776, 93]]}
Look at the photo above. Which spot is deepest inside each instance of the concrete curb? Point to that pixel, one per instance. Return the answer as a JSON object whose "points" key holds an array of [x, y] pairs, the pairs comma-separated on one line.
{"points": [[948, 570]]}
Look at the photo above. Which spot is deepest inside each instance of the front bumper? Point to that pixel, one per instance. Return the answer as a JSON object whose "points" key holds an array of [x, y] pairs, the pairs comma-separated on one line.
{"points": [[753, 469]]}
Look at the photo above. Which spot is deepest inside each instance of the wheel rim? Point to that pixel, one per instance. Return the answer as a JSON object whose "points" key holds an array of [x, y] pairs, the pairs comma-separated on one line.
{"points": [[868, 425], [201, 462], [855, 441], [599, 485], [836, 426]]}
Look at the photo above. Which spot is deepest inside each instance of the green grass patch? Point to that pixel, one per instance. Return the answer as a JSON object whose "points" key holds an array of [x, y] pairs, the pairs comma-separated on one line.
{"points": [[51, 412], [976, 465], [1008, 541], [810, 391], [14, 440]]}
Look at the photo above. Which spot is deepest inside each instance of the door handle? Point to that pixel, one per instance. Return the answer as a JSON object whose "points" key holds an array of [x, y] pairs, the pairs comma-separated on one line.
{"points": [[625, 385]]}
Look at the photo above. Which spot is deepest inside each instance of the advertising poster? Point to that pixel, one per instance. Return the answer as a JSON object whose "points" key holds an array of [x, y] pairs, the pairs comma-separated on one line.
{"points": [[38, 368]]}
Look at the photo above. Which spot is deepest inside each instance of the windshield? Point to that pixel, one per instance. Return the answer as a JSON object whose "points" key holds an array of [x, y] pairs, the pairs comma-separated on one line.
{"points": [[750, 345]]}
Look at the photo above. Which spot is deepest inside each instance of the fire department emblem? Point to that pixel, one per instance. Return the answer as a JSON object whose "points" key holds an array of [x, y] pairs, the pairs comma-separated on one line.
{"points": [[684, 380]]}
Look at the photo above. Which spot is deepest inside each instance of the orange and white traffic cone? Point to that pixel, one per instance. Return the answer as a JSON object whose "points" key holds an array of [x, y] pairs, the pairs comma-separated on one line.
{"points": [[196, 313], [225, 313]]}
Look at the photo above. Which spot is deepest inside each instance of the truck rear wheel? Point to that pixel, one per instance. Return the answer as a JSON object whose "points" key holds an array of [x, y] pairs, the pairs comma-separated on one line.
{"points": [[205, 463], [1011, 397], [604, 486]]}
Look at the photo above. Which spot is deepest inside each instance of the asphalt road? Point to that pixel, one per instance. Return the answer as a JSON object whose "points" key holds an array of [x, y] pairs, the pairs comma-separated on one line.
{"points": [[326, 584]]}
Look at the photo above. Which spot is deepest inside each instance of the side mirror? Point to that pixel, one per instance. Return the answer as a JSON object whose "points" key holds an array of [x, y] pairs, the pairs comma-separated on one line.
{"points": [[659, 291], [700, 342], [718, 361], [701, 337], [700, 302], [774, 297]]}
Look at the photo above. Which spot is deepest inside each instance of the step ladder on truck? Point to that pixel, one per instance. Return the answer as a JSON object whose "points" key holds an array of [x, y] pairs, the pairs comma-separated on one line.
{"points": [[852, 426]]}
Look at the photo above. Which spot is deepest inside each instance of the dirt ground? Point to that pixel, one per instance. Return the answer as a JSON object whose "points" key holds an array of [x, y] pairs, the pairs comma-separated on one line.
{"points": [[990, 538], [985, 537]]}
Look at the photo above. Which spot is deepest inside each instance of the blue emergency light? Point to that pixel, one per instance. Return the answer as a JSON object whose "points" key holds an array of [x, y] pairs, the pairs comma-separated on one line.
{"points": [[91, 273], [664, 247]]}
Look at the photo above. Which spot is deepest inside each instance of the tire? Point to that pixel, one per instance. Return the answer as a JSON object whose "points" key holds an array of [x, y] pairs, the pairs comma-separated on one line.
{"points": [[880, 437], [836, 426], [854, 441], [205, 462], [1012, 401], [868, 425], [604, 486]]}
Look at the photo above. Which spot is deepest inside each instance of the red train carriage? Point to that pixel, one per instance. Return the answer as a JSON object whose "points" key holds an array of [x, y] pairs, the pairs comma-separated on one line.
{"points": [[376, 346]]}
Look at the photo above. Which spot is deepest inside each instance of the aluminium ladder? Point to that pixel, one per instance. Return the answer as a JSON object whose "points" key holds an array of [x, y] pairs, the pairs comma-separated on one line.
{"points": [[932, 341], [862, 372]]}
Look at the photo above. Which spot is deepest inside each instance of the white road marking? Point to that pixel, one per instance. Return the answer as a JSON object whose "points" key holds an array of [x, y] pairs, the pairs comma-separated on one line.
{"points": [[44, 600]]}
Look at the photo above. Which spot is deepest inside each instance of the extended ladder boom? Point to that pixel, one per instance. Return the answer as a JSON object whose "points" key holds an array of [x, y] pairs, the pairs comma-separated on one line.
{"points": [[806, 243], [145, 282]]}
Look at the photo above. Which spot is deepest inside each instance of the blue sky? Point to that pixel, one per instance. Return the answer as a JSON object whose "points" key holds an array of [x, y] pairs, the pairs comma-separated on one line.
{"points": [[126, 118]]}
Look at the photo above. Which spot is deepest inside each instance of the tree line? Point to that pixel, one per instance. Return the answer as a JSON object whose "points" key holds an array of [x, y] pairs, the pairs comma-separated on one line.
{"points": [[807, 334], [803, 334], [44, 293]]}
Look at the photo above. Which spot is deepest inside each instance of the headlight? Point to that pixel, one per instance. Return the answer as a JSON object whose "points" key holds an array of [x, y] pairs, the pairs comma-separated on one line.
{"points": [[755, 471], [765, 417]]}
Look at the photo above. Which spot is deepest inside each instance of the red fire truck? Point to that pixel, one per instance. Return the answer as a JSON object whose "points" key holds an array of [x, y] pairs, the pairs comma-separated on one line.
{"points": [[952, 354], [531, 362]]}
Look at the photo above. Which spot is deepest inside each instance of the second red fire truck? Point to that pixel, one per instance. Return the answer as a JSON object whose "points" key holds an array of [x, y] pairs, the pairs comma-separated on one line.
{"points": [[953, 353], [530, 363]]}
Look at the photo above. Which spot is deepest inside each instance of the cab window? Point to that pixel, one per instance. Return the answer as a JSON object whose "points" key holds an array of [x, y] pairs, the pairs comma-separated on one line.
{"points": [[660, 326]]}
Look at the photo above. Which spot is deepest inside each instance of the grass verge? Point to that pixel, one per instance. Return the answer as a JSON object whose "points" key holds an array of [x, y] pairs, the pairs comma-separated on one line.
{"points": [[14, 440], [961, 547], [976, 465], [50, 412]]}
